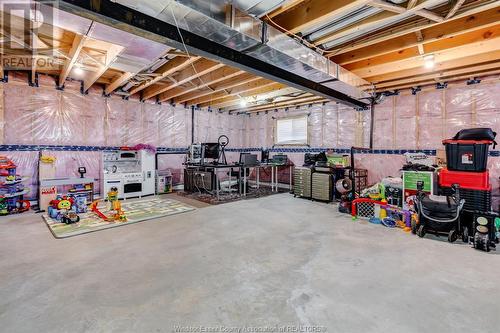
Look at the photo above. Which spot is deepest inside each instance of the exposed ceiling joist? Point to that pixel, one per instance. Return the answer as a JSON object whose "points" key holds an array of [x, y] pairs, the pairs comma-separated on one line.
{"points": [[234, 100], [172, 66], [420, 40], [461, 41], [411, 4], [398, 31], [455, 8], [439, 57], [141, 24], [294, 102], [239, 89], [416, 83], [197, 69], [312, 13], [451, 64], [213, 77], [440, 75], [373, 22], [287, 5], [73, 54], [193, 97], [112, 52], [401, 10], [118, 82], [434, 33]]}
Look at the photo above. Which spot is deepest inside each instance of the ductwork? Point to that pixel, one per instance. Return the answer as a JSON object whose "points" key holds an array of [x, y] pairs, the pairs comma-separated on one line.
{"points": [[137, 54], [240, 38]]}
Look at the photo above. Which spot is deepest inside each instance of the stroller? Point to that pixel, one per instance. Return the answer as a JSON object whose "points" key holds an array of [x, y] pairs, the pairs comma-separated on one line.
{"points": [[439, 214]]}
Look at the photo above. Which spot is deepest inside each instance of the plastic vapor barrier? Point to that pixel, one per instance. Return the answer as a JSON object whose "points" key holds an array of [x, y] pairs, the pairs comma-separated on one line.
{"points": [[46, 116]]}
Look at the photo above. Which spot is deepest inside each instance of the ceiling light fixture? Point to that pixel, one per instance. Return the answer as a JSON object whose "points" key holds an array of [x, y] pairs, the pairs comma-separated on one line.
{"points": [[243, 103], [78, 70], [429, 61]]}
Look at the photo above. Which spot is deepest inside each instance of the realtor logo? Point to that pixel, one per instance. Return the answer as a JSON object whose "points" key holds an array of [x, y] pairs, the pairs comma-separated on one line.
{"points": [[27, 35]]}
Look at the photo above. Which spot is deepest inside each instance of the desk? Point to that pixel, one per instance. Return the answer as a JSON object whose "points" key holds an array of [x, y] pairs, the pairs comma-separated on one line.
{"points": [[274, 174], [215, 168]]}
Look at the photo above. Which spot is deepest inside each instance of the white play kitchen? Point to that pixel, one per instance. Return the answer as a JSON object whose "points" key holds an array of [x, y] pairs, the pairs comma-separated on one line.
{"points": [[132, 172]]}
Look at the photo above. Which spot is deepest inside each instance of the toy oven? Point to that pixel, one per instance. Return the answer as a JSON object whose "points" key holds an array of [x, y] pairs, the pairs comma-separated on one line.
{"points": [[128, 155]]}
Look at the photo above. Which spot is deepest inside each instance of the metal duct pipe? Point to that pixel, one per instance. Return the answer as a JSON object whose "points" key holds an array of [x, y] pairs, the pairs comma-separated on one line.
{"points": [[248, 43], [344, 22]]}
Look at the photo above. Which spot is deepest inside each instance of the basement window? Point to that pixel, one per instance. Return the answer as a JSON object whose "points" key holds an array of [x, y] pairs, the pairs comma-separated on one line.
{"points": [[291, 131]]}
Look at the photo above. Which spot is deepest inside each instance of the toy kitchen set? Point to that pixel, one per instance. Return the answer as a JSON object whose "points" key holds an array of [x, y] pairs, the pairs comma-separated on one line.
{"points": [[132, 172]]}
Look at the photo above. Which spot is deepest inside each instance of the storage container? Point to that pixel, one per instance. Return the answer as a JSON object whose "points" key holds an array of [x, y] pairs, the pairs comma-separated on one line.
{"points": [[465, 179], [467, 155], [322, 186], [479, 200], [302, 182]]}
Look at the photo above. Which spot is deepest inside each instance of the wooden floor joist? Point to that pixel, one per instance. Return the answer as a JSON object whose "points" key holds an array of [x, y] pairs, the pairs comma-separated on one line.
{"points": [[450, 29], [189, 73], [202, 81]]}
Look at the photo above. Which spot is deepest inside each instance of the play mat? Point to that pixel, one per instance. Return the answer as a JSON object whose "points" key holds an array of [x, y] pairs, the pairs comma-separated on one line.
{"points": [[136, 211]]}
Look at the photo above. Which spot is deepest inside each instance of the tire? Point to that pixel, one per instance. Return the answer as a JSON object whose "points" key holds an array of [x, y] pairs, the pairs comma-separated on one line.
{"points": [[414, 226], [421, 231], [475, 241], [77, 219], [465, 235], [64, 220], [452, 236]]}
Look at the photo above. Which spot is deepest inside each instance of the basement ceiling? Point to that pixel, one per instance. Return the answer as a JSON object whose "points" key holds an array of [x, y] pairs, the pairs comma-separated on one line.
{"points": [[383, 42]]}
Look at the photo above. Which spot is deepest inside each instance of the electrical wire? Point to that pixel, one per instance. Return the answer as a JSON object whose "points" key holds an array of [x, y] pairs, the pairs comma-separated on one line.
{"points": [[192, 65], [189, 56]]}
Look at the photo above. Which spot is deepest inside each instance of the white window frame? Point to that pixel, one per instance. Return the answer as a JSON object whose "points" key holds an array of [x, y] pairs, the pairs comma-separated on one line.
{"points": [[297, 142]]}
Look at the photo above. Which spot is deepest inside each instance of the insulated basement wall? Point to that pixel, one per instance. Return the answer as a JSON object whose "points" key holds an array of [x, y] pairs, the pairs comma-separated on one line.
{"points": [[76, 127], [424, 120], [402, 123]]}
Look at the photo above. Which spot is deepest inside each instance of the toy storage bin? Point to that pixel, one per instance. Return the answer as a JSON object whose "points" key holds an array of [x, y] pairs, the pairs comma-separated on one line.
{"points": [[467, 155], [466, 180], [475, 200]]}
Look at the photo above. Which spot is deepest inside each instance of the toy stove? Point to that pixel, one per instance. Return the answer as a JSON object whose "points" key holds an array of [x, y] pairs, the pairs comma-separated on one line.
{"points": [[131, 172]]}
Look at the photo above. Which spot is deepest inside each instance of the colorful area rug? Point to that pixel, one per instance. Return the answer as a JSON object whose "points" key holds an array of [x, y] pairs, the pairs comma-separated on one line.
{"points": [[136, 211]]}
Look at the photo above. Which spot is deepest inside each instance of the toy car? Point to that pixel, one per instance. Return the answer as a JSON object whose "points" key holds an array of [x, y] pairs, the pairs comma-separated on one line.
{"points": [[70, 218]]}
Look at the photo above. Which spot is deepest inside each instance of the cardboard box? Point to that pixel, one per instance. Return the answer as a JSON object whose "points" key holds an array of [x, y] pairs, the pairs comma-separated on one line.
{"points": [[441, 157]]}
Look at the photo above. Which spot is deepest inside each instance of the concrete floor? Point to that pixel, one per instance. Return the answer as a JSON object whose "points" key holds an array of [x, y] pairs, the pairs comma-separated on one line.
{"points": [[271, 261]]}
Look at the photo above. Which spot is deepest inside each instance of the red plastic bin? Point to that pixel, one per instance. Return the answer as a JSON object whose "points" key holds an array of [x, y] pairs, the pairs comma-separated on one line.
{"points": [[465, 179]]}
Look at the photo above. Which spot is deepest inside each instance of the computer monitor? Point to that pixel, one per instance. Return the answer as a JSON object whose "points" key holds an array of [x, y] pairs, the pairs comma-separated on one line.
{"points": [[264, 155], [211, 150], [247, 159]]}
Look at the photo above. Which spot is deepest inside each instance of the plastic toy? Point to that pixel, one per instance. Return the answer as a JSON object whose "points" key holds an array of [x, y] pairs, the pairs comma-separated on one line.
{"points": [[389, 222], [484, 230], [47, 159], [70, 217], [81, 204], [3, 207], [12, 189], [115, 205], [399, 215], [364, 208], [63, 209]]}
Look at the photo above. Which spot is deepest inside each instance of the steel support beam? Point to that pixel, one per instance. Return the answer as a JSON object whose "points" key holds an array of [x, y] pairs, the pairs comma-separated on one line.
{"points": [[140, 24]]}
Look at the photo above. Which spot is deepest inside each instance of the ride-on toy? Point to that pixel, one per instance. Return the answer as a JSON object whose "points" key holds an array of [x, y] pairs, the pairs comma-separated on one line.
{"points": [[439, 214]]}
